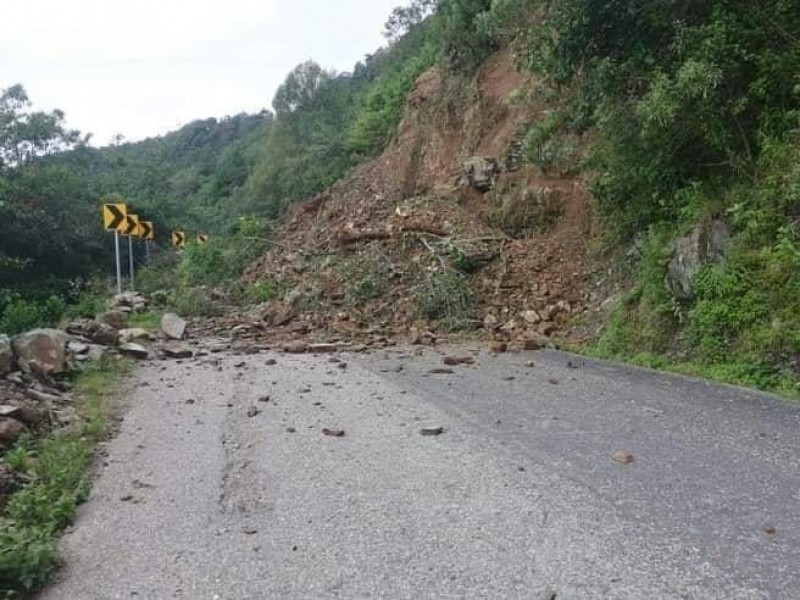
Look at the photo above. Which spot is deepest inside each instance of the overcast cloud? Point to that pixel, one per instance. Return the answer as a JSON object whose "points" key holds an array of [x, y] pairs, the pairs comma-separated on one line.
{"points": [[145, 67]]}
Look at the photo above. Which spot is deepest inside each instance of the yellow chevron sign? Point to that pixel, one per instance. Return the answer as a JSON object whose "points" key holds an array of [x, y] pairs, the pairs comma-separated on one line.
{"points": [[179, 238], [202, 239], [146, 230], [114, 216]]}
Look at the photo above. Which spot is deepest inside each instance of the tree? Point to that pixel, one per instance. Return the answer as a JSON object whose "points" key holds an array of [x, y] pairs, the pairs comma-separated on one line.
{"points": [[404, 18], [300, 87], [25, 134]]}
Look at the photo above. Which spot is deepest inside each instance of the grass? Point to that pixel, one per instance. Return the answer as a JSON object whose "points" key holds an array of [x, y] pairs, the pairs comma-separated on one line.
{"points": [[748, 374], [58, 466], [150, 320]]}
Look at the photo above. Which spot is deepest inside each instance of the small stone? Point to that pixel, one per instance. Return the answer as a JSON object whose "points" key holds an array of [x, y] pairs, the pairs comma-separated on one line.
{"points": [[270, 362], [291, 430], [126, 498], [333, 432], [264, 398], [458, 360], [295, 347], [553, 381], [498, 347], [770, 530], [441, 371], [252, 411], [431, 431], [134, 351], [623, 457], [250, 530]]}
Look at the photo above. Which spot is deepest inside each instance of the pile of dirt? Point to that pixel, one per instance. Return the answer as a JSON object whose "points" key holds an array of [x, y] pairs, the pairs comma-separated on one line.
{"points": [[449, 202]]}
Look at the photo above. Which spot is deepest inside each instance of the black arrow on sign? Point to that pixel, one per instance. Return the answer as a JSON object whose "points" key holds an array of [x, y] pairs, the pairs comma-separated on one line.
{"points": [[145, 230], [130, 225], [117, 216]]}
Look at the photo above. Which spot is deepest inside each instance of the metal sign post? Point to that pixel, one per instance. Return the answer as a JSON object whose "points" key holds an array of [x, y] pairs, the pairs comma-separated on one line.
{"points": [[130, 258], [119, 263]]}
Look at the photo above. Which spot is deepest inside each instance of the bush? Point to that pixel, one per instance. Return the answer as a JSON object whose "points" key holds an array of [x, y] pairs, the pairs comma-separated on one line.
{"points": [[445, 297], [366, 278], [18, 314]]}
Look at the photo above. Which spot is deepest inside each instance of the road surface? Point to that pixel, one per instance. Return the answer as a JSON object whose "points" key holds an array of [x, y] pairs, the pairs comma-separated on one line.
{"points": [[211, 491]]}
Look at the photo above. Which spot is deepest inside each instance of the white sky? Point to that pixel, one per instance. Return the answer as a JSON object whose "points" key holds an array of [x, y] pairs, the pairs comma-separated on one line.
{"points": [[145, 67]]}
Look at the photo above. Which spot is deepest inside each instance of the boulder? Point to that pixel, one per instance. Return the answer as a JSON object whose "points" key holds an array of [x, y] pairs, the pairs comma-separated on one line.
{"points": [[114, 318], [134, 351], [276, 313], [6, 356], [479, 172], [10, 430], [96, 332], [173, 326], [129, 335], [706, 244], [41, 350]]}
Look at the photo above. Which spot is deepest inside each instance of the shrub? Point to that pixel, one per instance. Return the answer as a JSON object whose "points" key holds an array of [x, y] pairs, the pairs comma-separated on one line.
{"points": [[445, 297]]}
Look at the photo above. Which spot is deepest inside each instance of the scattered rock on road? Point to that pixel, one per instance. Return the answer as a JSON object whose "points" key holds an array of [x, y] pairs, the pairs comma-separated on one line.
{"points": [[623, 457], [295, 347], [431, 431], [458, 360], [333, 432], [498, 347]]}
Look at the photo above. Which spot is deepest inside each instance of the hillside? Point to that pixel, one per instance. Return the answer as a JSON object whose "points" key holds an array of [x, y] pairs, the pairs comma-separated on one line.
{"points": [[415, 229]]}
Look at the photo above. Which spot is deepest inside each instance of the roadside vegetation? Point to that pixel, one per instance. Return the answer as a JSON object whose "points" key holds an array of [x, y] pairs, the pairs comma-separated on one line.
{"points": [[58, 467]]}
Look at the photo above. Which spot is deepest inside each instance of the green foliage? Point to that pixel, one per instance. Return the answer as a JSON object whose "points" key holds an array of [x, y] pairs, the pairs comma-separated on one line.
{"points": [[18, 314], [262, 291], [366, 277], [446, 298], [59, 469]]}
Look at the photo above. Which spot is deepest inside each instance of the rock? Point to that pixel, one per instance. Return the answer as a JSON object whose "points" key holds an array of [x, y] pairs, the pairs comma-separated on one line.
{"points": [[297, 347], [114, 318], [623, 457], [177, 352], [134, 351], [458, 360], [441, 371], [707, 243], [11, 412], [173, 326], [74, 347], [428, 431], [333, 432], [276, 313], [103, 334], [533, 341], [252, 411], [498, 347], [41, 351], [548, 328], [129, 335], [531, 317], [479, 172], [490, 322], [43, 397], [10, 430], [93, 331], [6, 356]]}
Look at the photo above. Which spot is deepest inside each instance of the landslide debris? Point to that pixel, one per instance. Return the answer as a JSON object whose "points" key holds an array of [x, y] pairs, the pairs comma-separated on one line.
{"points": [[446, 231]]}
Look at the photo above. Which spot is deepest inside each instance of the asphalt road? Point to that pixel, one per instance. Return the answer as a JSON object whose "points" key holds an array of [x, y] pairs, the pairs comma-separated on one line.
{"points": [[518, 498]]}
